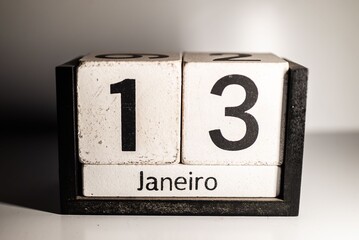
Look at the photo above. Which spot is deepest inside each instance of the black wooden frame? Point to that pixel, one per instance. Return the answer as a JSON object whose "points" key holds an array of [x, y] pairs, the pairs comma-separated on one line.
{"points": [[72, 201]]}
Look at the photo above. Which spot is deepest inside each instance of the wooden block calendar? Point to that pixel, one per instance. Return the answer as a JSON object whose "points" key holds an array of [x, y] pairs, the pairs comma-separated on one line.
{"points": [[181, 134]]}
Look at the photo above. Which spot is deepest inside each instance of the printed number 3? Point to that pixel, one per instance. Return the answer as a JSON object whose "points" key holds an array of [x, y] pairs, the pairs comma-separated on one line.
{"points": [[239, 112]]}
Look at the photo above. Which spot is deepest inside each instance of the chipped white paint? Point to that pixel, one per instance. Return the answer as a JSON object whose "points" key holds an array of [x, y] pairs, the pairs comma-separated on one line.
{"points": [[203, 111], [158, 101], [180, 180]]}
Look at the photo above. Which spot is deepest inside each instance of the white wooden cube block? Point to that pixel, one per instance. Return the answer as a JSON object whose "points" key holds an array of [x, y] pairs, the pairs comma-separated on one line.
{"points": [[233, 109], [129, 108], [179, 180]]}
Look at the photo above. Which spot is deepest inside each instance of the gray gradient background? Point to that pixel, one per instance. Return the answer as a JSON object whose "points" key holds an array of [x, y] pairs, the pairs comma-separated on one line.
{"points": [[37, 35]]}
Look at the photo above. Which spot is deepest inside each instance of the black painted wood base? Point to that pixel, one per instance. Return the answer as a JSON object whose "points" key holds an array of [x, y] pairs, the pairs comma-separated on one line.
{"points": [[72, 201]]}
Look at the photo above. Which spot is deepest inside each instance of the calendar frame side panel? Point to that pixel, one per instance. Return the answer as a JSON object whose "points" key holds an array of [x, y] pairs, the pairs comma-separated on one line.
{"points": [[294, 136], [70, 173]]}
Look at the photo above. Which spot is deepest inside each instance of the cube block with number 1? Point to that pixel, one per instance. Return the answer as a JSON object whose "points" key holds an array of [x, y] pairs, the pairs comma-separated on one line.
{"points": [[233, 109], [129, 108]]}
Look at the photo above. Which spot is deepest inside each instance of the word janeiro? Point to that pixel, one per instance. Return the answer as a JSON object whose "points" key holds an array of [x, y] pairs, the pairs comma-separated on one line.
{"points": [[180, 183]]}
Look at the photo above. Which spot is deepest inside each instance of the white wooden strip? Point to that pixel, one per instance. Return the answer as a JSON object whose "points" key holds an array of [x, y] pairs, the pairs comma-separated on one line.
{"points": [[180, 180]]}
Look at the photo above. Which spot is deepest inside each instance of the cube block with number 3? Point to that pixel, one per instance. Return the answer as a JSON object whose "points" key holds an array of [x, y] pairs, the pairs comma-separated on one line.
{"points": [[129, 108], [233, 109]]}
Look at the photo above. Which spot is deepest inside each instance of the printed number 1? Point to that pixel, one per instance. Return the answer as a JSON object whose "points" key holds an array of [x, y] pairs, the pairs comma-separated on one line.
{"points": [[127, 88]]}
